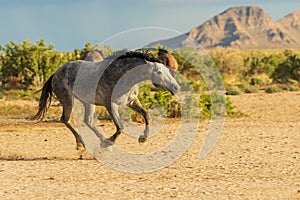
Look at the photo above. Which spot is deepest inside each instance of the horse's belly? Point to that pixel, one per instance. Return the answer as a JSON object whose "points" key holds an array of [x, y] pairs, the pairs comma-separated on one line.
{"points": [[86, 84], [89, 97]]}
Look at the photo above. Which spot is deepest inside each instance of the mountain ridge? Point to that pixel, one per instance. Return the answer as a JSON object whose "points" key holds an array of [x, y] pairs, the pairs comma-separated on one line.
{"points": [[243, 27]]}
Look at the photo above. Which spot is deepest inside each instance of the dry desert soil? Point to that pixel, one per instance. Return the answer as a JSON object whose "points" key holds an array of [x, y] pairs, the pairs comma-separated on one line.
{"points": [[256, 157]]}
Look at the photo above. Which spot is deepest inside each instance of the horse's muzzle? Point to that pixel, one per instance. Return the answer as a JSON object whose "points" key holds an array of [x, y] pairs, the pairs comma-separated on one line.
{"points": [[173, 89]]}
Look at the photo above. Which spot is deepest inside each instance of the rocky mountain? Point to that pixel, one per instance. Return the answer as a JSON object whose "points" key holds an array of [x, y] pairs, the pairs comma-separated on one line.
{"points": [[244, 27], [292, 24]]}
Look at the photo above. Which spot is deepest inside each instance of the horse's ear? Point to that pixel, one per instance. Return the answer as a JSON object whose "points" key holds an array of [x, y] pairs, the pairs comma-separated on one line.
{"points": [[155, 66]]}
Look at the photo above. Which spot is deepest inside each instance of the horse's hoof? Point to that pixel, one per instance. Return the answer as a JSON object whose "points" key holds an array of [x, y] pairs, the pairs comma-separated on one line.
{"points": [[80, 147], [107, 144], [142, 139]]}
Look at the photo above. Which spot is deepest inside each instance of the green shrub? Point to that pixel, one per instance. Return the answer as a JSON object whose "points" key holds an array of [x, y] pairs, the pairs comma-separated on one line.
{"points": [[230, 108], [233, 91], [293, 88], [28, 64], [287, 70], [247, 87], [256, 81], [251, 89], [272, 89], [212, 110], [161, 97], [205, 105]]}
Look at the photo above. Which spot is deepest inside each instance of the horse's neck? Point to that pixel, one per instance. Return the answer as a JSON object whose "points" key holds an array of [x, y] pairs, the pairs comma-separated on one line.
{"points": [[136, 75], [126, 88]]}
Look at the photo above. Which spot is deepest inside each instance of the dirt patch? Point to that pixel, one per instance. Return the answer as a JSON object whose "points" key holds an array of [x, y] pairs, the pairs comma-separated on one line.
{"points": [[256, 157]]}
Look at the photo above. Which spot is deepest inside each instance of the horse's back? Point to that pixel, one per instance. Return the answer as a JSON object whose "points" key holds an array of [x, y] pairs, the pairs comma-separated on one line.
{"points": [[81, 70], [79, 78]]}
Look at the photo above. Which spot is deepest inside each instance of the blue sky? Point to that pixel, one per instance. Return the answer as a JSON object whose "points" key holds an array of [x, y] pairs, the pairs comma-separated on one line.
{"points": [[69, 24]]}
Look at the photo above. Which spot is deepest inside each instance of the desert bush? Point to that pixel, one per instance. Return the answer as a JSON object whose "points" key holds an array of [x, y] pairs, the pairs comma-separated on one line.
{"points": [[233, 91], [258, 62], [28, 64], [248, 88], [213, 109], [288, 70], [293, 88], [251, 89], [272, 89], [24, 65], [256, 81], [149, 98]]}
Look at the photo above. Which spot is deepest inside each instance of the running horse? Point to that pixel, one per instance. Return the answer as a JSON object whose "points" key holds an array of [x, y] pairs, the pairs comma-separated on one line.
{"points": [[111, 83]]}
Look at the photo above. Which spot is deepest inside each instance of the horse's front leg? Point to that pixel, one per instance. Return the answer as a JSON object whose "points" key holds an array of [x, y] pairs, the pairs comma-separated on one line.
{"points": [[89, 119], [89, 114], [137, 106]]}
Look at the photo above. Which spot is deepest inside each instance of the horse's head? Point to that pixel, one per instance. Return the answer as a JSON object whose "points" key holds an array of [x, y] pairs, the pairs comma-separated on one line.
{"points": [[161, 77]]}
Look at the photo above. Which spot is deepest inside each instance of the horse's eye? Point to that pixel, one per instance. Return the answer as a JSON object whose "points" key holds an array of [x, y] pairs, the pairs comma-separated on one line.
{"points": [[159, 72]]}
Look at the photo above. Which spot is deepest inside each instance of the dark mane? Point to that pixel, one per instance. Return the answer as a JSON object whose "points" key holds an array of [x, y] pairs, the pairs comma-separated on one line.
{"points": [[123, 61], [162, 51], [142, 53]]}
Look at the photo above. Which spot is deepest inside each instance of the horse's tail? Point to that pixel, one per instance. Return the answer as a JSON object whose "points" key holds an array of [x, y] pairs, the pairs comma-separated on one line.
{"points": [[45, 99]]}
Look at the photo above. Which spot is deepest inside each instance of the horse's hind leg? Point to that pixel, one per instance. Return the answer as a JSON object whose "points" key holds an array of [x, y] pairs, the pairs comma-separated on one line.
{"points": [[137, 106], [66, 100], [67, 109]]}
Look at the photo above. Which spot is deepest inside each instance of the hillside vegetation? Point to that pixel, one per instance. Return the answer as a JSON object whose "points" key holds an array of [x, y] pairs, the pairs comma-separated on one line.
{"points": [[26, 66]]}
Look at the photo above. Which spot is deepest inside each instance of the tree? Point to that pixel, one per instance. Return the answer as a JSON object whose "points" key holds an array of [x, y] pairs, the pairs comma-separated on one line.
{"points": [[79, 53], [26, 64], [289, 70]]}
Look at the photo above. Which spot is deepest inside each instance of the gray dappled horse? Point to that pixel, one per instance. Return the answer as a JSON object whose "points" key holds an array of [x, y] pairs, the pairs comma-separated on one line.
{"points": [[111, 83]]}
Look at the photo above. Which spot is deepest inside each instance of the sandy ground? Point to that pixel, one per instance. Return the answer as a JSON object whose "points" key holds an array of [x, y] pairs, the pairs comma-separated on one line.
{"points": [[256, 157]]}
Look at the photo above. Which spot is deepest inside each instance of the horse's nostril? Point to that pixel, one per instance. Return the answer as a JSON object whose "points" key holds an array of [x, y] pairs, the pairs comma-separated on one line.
{"points": [[175, 88]]}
